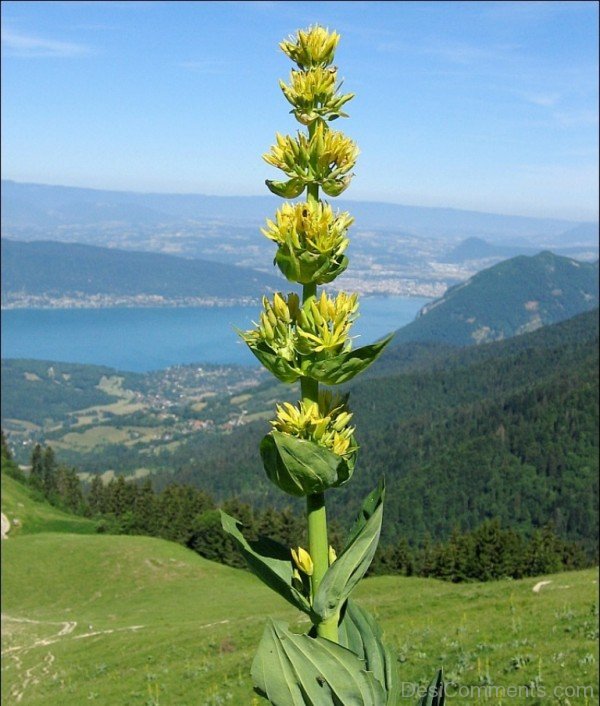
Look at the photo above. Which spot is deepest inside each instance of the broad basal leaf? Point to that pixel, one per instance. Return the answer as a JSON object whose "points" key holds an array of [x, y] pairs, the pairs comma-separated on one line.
{"points": [[436, 692], [297, 670], [360, 633]]}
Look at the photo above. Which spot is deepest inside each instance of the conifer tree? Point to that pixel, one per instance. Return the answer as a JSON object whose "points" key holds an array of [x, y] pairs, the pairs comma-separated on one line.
{"points": [[36, 476], [97, 496], [49, 472]]}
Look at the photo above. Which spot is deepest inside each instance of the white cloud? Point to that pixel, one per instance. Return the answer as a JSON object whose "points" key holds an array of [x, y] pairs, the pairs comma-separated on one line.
{"points": [[27, 46]]}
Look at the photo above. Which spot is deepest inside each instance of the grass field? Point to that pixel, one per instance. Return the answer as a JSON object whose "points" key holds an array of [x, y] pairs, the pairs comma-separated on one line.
{"points": [[135, 620], [30, 517]]}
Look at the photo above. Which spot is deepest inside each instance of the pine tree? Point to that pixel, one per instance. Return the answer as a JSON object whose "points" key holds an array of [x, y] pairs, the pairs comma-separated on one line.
{"points": [[144, 509], [208, 539], [68, 488], [97, 497], [36, 476], [49, 483]]}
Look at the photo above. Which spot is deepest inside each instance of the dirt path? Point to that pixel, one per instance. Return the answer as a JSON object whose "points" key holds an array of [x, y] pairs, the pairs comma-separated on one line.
{"points": [[4, 527], [539, 585], [42, 668]]}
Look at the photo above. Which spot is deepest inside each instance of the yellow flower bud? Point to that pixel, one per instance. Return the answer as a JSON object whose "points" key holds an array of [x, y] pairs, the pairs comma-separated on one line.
{"points": [[303, 561], [332, 555]]}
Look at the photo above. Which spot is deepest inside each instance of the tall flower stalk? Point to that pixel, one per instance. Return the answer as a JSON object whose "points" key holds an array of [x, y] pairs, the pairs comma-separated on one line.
{"points": [[311, 447]]}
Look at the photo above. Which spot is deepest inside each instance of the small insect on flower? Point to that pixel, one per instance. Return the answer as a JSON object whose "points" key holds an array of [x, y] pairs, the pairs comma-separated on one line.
{"points": [[310, 227]]}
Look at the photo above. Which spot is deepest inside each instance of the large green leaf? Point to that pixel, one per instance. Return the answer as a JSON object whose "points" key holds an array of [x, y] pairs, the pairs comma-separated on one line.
{"points": [[436, 692], [269, 560], [301, 467], [343, 367], [297, 670], [360, 633], [350, 566]]}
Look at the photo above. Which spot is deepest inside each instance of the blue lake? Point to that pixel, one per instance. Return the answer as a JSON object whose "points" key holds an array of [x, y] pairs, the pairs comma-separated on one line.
{"points": [[153, 338]]}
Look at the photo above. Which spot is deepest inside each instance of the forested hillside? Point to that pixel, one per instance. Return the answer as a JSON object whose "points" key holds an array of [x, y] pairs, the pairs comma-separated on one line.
{"points": [[513, 297], [66, 269], [510, 430], [505, 429]]}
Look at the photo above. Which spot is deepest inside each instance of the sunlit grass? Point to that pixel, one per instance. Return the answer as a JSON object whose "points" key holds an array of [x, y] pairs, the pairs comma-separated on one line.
{"points": [[145, 621]]}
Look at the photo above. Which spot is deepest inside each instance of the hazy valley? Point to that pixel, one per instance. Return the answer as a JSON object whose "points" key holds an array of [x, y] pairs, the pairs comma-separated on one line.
{"points": [[399, 250]]}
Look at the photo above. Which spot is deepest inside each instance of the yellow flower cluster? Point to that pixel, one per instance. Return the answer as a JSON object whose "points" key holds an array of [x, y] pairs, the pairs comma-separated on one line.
{"points": [[324, 325], [312, 93], [311, 227], [327, 422], [320, 327], [312, 47], [325, 158], [277, 326]]}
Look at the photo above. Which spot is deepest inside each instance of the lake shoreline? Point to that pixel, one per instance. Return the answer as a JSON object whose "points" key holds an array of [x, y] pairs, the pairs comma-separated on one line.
{"points": [[140, 339], [143, 301]]}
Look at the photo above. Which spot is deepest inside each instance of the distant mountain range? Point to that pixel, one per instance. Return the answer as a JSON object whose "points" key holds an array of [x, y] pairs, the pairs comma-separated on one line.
{"points": [[394, 249], [58, 270], [482, 250], [510, 298], [49, 208]]}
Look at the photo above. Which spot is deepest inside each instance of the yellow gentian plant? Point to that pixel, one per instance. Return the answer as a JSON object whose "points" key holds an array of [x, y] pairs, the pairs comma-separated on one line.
{"points": [[311, 447]]}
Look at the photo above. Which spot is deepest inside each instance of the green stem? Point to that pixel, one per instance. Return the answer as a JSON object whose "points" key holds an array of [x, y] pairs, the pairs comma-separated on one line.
{"points": [[318, 547], [312, 192], [318, 542]]}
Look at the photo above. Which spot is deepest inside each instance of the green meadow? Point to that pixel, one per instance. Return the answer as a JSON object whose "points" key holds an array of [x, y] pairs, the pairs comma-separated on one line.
{"points": [[135, 620]]}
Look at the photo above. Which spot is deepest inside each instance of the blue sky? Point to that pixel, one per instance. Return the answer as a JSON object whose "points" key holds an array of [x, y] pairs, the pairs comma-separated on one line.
{"points": [[479, 105]]}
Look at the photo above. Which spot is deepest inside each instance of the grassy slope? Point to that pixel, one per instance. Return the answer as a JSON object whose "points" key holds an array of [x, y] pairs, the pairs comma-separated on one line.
{"points": [[37, 516], [200, 623]]}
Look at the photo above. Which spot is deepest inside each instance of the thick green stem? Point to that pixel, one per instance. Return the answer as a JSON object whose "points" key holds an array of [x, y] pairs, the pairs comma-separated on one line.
{"points": [[318, 542], [318, 547]]}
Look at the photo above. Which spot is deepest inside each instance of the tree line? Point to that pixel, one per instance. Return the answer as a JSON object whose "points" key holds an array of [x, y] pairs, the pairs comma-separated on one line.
{"points": [[190, 516]]}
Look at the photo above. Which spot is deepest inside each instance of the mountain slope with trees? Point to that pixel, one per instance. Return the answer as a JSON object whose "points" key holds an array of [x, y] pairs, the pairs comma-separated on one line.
{"points": [[61, 269], [510, 432], [508, 299]]}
